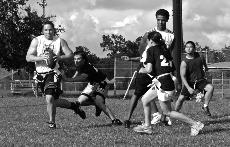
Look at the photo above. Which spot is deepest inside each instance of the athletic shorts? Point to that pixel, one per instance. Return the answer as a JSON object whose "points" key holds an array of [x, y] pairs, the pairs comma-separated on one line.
{"points": [[49, 83], [200, 85], [165, 95], [91, 90], [142, 80]]}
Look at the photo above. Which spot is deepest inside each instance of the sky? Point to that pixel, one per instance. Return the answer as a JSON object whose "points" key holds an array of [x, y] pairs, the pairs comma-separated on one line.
{"points": [[85, 21]]}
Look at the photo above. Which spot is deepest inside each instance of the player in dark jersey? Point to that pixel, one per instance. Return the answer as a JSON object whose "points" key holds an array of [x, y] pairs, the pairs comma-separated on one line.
{"points": [[95, 91], [193, 77], [159, 60]]}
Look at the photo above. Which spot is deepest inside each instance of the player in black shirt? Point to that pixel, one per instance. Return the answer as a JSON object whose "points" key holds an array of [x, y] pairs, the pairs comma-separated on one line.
{"points": [[193, 77], [159, 60], [95, 91]]}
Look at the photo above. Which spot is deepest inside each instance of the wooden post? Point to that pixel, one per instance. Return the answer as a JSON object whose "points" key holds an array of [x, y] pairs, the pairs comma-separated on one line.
{"points": [[115, 73], [177, 29]]}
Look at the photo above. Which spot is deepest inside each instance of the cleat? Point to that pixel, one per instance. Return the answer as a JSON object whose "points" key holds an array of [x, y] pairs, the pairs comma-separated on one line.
{"points": [[206, 111], [156, 118], [127, 123], [195, 129], [79, 111], [51, 125], [116, 122], [143, 129], [167, 121]]}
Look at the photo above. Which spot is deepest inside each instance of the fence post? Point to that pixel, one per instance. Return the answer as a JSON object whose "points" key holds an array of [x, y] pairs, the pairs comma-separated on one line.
{"points": [[115, 81], [222, 83]]}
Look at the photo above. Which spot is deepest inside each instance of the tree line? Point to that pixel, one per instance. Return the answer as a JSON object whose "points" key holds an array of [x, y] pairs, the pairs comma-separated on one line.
{"points": [[19, 24]]}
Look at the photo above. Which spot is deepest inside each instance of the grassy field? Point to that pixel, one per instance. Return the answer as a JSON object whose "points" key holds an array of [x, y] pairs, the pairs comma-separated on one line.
{"points": [[23, 120]]}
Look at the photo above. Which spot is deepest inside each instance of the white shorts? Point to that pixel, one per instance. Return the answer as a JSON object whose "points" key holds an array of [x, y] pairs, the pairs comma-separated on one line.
{"points": [[92, 89], [165, 95]]}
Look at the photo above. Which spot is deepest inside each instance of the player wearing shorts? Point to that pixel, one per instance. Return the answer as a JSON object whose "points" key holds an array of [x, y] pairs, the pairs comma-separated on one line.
{"points": [[162, 17], [159, 60], [47, 77], [193, 77], [96, 90]]}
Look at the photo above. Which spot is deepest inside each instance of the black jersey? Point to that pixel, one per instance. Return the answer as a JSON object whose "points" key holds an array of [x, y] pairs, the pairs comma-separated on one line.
{"points": [[161, 60], [194, 68], [94, 74]]}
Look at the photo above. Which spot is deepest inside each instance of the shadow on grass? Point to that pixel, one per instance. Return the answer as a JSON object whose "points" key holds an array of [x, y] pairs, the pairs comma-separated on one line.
{"points": [[220, 116], [218, 121], [22, 106], [210, 131]]}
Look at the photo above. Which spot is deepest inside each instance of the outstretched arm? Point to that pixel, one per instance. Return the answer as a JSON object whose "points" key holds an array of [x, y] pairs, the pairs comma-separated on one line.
{"points": [[127, 58]]}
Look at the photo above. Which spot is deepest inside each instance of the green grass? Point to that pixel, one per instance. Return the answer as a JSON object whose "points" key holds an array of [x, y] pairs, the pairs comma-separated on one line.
{"points": [[23, 120]]}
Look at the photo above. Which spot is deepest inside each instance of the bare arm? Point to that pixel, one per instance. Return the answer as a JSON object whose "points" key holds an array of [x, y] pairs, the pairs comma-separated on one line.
{"points": [[147, 69], [31, 55], [68, 54], [143, 43], [76, 74], [183, 77], [126, 58]]}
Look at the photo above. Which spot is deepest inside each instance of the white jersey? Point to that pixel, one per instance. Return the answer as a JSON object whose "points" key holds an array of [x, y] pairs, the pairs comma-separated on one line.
{"points": [[43, 45], [167, 35]]}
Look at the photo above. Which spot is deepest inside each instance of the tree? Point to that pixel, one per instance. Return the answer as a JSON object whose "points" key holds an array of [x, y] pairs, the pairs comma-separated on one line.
{"points": [[118, 46], [19, 24]]}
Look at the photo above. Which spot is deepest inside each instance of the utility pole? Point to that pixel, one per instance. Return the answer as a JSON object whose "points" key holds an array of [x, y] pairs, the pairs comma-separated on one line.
{"points": [[178, 32], [43, 4]]}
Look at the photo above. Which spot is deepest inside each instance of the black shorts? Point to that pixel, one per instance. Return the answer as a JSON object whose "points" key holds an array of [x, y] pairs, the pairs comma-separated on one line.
{"points": [[142, 80], [199, 85], [167, 83], [49, 83]]}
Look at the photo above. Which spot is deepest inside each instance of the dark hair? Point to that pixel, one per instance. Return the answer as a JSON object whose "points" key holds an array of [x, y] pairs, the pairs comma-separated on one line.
{"points": [[163, 12], [48, 22], [191, 42], [156, 37], [82, 54]]}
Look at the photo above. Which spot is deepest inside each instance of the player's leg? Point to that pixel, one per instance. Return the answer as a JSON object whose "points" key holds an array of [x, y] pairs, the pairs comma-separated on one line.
{"points": [[51, 110], [182, 97], [99, 102], [147, 98], [207, 97], [141, 83], [165, 104]]}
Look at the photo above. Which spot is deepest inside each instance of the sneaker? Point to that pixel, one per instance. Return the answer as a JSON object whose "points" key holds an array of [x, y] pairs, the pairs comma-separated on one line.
{"points": [[79, 111], [206, 111], [98, 111], [195, 129], [156, 118], [168, 121], [51, 125], [143, 129], [116, 122], [127, 123]]}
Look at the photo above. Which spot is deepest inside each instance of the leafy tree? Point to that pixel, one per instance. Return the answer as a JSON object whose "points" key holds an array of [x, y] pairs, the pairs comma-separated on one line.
{"points": [[118, 46], [19, 24]]}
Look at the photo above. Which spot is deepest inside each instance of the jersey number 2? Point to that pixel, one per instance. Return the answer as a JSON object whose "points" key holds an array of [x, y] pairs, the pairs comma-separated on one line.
{"points": [[164, 62]]}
